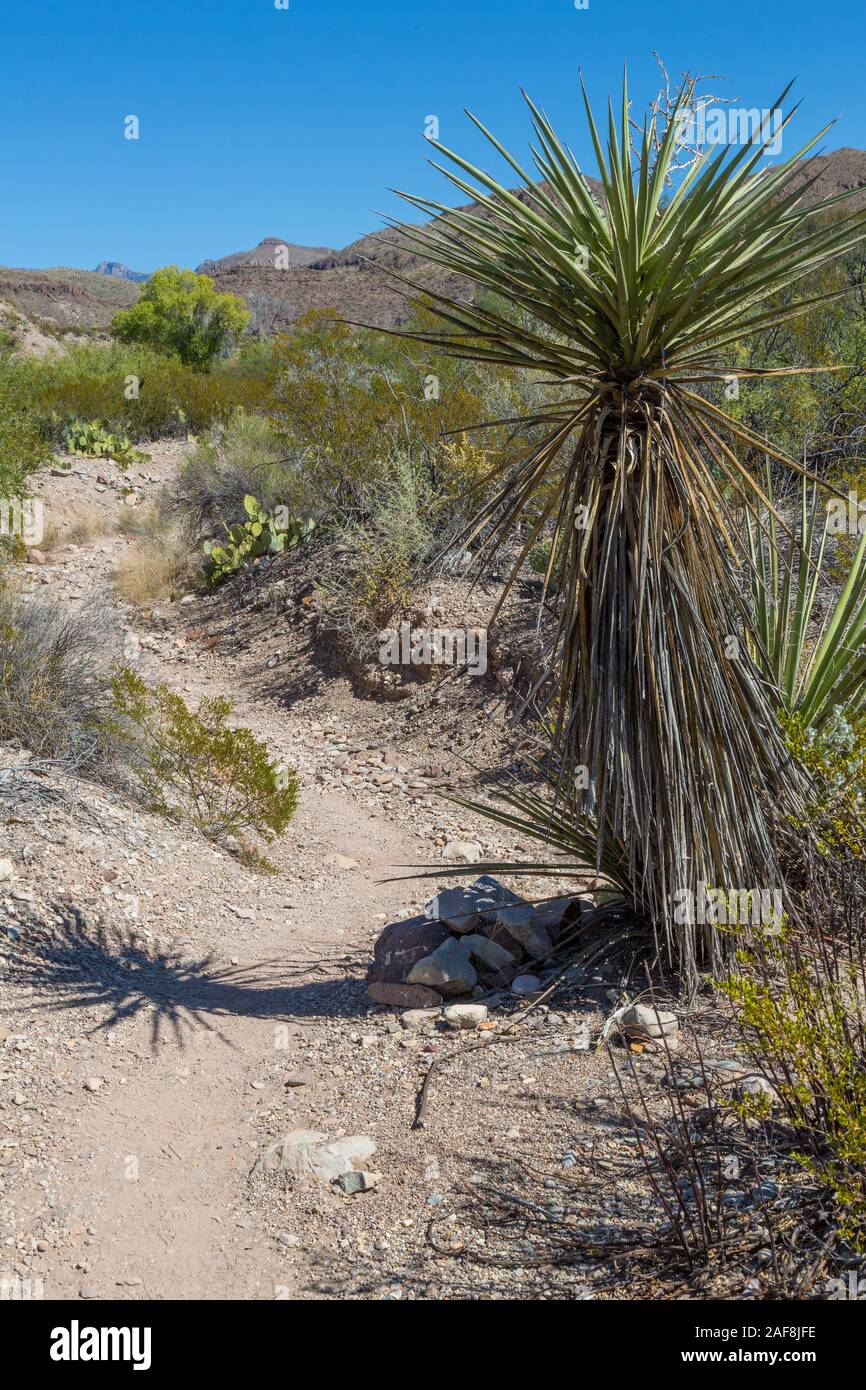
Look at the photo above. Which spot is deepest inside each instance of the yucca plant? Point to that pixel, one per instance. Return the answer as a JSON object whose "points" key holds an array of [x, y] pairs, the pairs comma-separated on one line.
{"points": [[627, 305], [817, 660]]}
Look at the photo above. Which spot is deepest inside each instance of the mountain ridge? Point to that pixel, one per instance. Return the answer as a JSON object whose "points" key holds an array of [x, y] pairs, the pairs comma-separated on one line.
{"points": [[280, 281], [121, 272]]}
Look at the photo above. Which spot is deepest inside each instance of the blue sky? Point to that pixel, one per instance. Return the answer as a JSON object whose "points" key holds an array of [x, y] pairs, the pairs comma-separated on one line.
{"points": [[258, 121]]}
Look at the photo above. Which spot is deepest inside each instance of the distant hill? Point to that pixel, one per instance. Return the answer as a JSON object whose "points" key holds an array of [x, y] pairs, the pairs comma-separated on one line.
{"points": [[840, 172], [68, 298], [350, 281], [281, 281], [274, 252], [121, 271]]}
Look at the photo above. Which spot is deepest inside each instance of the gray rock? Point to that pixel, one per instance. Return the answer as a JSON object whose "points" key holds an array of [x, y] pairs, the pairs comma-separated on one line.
{"points": [[304, 1151], [724, 1065], [728, 1072], [305, 1077], [493, 895], [402, 944], [448, 970], [417, 1019], [526, 984], [462, 852], [556, 915], [400, 996], [489, 952], [357, 1181], [756, 1085], [456, 907], [518, 921]]}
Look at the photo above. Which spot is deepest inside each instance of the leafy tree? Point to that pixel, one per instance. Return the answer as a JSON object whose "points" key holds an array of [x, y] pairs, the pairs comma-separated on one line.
{"points": [[180, 313]]}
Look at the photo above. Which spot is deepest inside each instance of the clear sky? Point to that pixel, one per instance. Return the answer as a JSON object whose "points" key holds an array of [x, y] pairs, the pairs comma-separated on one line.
{"points": [[258, 121]]}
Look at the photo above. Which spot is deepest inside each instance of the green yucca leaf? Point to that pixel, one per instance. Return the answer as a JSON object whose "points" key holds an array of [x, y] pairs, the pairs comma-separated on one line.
{"points": [[817, 663]]}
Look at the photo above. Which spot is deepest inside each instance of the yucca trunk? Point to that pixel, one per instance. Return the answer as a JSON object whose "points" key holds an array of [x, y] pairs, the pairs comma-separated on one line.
{"points": [[660, 701]]}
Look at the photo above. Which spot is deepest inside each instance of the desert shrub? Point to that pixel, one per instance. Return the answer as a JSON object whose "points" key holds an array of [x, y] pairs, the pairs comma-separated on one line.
{"points": [[131, 390], [254, 358], [22, 452], [181, 313], [821, 416], [73, 528], [343, 406], [801, 1013], [370, 574], [835, 756], [347, 402], [195, 769], [242, 458], [54, 684]]}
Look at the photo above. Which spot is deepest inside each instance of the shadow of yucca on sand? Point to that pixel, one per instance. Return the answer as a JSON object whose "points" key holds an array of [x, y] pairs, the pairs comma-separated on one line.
{"points": [[121, 975]]}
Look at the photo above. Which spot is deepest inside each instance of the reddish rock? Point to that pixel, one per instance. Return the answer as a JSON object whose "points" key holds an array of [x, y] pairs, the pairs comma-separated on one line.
{"points": [[403, 996], [401, 945]]}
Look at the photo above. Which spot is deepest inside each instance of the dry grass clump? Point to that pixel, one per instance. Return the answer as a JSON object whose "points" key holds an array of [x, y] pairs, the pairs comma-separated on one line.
{"points": [[161, 563], [77, 528], [54, 684]]}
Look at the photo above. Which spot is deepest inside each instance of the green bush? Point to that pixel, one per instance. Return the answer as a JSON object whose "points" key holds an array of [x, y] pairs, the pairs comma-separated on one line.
{"points": [[244, 457], [347, 403], [835, 756], [369, 576], [196, 770], [181, 313], [22, 453], [133, 391], [22, 448], [804, 1026]]}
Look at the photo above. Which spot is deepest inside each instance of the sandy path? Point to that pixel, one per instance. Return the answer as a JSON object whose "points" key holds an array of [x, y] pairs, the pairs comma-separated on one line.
{"points": [[152, 1171], [161, 1163]]}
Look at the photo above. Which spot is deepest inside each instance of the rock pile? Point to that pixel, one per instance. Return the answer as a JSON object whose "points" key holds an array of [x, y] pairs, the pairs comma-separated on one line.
{"points": [[469, 941]]}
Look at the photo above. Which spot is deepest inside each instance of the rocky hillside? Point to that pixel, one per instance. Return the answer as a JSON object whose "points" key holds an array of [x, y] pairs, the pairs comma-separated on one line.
{"points": [[840, 172], [67, 298], [272, 251]]}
